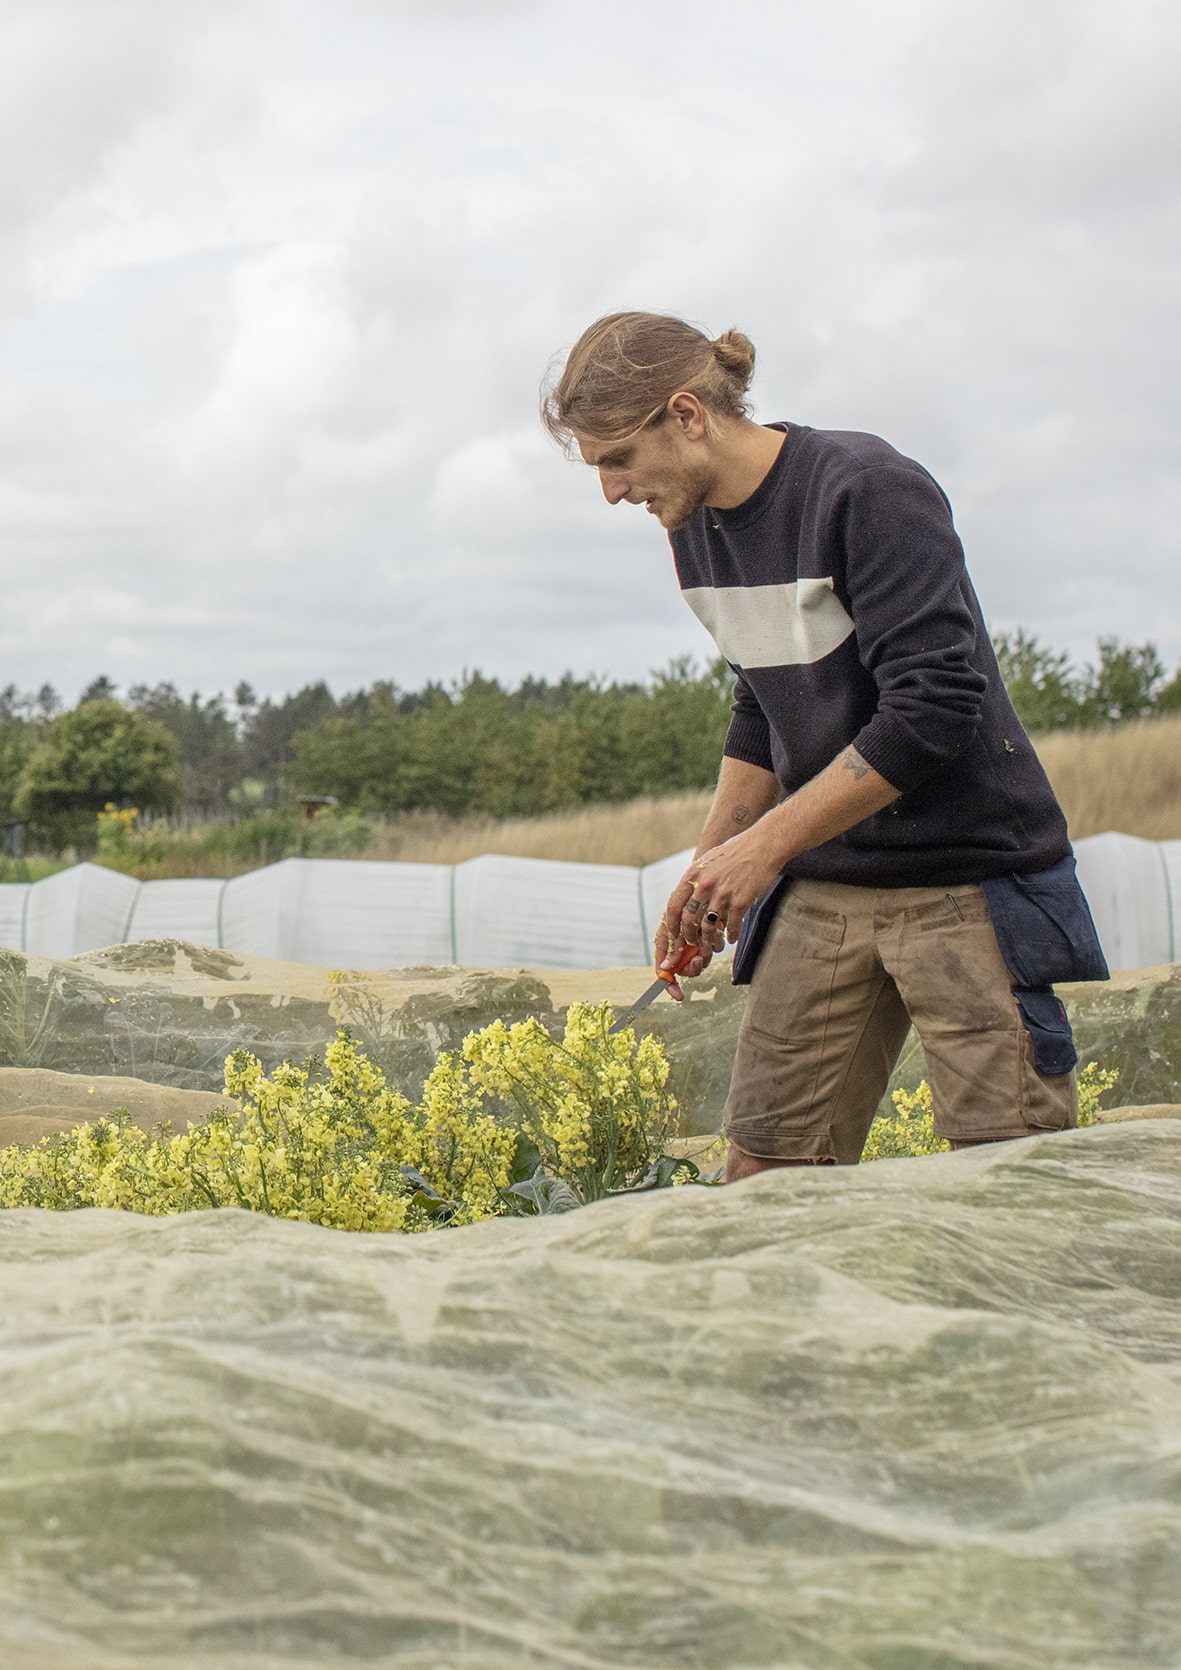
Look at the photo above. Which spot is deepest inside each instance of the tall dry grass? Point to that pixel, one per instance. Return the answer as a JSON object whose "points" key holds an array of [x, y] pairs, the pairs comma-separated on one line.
{"points": [[636, 832], [1126, 778]]}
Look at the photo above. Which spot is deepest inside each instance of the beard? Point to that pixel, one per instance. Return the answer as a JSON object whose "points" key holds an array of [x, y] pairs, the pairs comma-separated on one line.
{"points": [[682, 498]]}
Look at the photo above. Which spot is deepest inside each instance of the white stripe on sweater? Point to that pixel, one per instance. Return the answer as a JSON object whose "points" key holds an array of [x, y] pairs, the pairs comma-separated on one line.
{"points": [[772, 626]]}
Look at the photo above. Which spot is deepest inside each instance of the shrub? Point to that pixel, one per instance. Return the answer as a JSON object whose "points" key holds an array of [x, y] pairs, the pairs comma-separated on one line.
{"points": [[910, 1129], [516, 1121], [97, 754], [595, 1106], [326, 1151], [338, 1146], [335, 834]]}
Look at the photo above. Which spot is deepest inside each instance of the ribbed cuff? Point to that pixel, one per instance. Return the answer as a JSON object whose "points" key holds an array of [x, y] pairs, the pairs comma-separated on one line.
{"points": [[891, 749], [749, 739]]}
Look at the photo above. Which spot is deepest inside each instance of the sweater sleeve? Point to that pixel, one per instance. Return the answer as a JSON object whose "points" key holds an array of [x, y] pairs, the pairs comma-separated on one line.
{"points": [[749, 735], [904, 574]]}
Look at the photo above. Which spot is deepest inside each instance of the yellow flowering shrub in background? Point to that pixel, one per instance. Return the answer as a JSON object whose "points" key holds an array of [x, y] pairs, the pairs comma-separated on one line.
{"points": [[910, 1129], [116, 827], [341, 1147]]}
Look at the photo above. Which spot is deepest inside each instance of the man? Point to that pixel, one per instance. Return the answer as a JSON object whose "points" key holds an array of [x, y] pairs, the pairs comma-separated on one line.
{"points": [[882, 825]]}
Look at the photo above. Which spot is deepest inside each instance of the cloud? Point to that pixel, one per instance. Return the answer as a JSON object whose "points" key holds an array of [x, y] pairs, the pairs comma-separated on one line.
{"points": [[283, 279]]}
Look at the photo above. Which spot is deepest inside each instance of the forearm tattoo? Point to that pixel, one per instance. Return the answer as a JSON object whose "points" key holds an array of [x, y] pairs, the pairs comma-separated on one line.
{"points": [[740, 814], [853, 762]]}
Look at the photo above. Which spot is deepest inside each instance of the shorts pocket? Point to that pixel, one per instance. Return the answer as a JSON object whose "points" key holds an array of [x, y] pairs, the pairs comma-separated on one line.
{"points": [[954, 909], [772, 1111], [790, 999], [1049, 1101], [802, 921], [1044, 1017]]}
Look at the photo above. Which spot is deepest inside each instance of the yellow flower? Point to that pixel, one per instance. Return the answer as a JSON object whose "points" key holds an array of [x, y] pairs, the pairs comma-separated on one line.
{"points": [[330, 1148]]}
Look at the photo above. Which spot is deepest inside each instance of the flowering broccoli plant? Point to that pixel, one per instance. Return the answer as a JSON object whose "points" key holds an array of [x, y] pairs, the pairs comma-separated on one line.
{"points": [[594, 1105], [517, 1121]]}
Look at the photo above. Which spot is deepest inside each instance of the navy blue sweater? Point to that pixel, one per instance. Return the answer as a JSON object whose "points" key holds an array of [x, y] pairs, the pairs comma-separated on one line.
{"points": [[837, 593]]}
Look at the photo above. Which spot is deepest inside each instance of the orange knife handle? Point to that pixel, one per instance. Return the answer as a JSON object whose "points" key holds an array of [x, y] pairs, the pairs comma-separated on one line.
{"points": [[682, 962]]}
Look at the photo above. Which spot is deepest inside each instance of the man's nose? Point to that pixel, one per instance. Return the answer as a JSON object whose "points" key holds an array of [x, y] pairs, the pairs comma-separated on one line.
{"points": [[614, 485]]}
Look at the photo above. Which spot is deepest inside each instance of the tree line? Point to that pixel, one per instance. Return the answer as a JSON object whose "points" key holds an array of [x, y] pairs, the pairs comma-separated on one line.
{"points": [[475, 747]]}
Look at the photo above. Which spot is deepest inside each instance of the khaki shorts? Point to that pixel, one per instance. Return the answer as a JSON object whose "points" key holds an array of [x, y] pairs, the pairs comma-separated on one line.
{"points": [[844, 972]]}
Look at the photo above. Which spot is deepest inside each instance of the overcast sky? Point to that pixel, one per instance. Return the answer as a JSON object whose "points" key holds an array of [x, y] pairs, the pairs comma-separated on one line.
{"points": [[279, 280]]}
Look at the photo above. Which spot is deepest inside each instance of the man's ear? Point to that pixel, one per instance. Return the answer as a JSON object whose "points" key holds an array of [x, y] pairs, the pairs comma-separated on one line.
{"points": [[688, 414]]}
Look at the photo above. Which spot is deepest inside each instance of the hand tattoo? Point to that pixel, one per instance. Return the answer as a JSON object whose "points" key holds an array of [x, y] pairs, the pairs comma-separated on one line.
{"points": [[694, 907]]}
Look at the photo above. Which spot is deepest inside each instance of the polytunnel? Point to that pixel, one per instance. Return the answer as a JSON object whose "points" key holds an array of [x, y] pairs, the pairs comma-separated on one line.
{"points": [[490, 912]]}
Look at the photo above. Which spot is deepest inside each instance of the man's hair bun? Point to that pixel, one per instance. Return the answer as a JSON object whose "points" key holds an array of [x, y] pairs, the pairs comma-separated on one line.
{"points": [[735, 353], [625, 368]]}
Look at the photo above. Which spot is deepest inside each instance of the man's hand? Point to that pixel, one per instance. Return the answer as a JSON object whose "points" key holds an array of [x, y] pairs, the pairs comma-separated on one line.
{"points": [[726, 879], [744, 794], [723, 883], [669, 945]]}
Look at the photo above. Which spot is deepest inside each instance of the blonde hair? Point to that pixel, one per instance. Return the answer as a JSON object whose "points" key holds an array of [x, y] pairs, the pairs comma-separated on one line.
{"points": [[625, 368]]}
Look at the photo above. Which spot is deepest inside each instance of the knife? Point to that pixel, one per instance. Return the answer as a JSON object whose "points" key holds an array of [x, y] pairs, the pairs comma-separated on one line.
{"points": [[664, 978]]}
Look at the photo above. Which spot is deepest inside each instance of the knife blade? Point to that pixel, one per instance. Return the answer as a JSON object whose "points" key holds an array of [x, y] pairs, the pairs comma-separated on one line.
{"points": [[664, 978]]}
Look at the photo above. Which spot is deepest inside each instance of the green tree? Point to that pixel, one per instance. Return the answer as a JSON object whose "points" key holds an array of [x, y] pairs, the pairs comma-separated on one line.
{"points": [[46, 704], [17, 740], [1041, 685], [97, 753], [1125, 683], [479, 748], [673, 731], [100, 689], [1169, 697], [269, 729], [210, 755]]}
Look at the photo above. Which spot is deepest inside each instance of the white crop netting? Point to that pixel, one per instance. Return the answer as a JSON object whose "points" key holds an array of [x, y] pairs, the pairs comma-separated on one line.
{"points": [[491, 912], [916, 1415]]}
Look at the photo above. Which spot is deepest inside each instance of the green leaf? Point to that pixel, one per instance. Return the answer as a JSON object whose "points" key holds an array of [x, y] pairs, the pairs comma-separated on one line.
{"points": [[429, 1198], [545, 1194], [526, 1159]]}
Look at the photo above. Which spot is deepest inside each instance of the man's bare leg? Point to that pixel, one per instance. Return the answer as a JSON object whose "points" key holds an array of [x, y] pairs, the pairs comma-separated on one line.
{"points": [[740, 1164]]}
